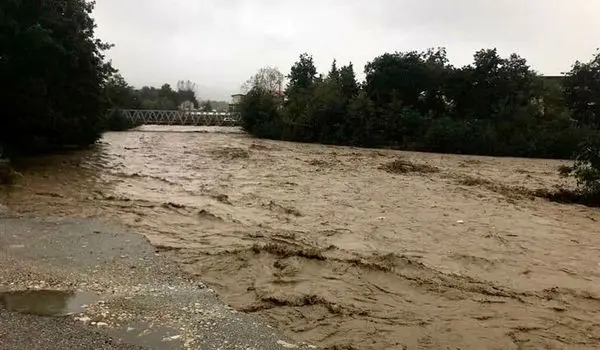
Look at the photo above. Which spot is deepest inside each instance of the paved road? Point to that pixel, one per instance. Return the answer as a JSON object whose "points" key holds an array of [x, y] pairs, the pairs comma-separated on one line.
{"points": [[126, 295]]}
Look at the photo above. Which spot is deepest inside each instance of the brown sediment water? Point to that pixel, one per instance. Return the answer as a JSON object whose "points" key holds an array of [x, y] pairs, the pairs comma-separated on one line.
{"points": [[347, 248]]}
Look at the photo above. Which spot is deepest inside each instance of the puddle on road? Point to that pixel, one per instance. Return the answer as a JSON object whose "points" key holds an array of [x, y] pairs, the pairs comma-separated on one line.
{"points": [[59, 303], [47, 302]]}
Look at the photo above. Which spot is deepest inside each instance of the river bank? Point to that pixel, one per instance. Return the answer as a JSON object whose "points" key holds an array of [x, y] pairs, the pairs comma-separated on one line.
{"points": [[347, 248], [104, 288]]}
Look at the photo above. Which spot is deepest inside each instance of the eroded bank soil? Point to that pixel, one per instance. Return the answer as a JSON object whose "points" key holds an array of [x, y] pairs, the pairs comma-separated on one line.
{"points": [[348, 248]]}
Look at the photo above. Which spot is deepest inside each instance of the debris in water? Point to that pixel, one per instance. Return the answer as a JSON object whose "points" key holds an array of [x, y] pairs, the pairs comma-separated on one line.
{"points": [[402, 166], [287, 345], [173, 205], [171, 338], [223, 198], [83, 319]]}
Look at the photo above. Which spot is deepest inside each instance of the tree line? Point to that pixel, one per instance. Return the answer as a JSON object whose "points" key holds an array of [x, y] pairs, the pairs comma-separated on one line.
{"points": [[121, 95], [413, 100], [417, 100]]}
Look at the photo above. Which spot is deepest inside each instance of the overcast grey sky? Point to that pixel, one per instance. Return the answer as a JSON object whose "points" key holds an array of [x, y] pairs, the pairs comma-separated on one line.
{"points": [[220, 43]]}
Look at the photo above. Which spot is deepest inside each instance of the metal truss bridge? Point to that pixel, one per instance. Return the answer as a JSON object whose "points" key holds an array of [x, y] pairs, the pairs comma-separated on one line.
{"points": [[180, 117]]}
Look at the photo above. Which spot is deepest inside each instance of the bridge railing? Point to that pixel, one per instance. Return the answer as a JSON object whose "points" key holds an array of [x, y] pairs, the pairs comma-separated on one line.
{"points": [[179, 117]]}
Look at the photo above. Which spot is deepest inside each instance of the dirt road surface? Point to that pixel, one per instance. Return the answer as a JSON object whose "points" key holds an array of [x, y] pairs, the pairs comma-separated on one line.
{"points": [[348, 248]]}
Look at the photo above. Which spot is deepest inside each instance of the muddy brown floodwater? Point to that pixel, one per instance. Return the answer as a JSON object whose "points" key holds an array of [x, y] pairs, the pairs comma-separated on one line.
{"points": [[348, 248]]}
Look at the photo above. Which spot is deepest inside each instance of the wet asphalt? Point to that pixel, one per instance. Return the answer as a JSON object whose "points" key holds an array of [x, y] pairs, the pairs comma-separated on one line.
{"points": [[130, 296]]}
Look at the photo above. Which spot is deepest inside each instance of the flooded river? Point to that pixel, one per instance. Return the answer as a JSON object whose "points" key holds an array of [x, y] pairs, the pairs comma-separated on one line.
{"points": [[342, 247]]}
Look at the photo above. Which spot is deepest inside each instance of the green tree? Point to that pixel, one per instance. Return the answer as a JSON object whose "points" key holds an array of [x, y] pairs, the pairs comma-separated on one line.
{"points": [[303, 76], [326, 112], [582, 91], [334, 73], [417, 100], [220, 106], [362, 123], [119, 94], [186, 92], [52, 74], [587, 168], [493, 87], [302, 79], [348, 82], [206, 106], [401, 125], [260, 113], [167, 97], [415, 78]]}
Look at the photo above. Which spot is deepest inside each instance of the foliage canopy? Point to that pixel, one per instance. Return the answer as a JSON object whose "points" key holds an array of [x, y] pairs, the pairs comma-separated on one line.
{"points": [[52, 73]]}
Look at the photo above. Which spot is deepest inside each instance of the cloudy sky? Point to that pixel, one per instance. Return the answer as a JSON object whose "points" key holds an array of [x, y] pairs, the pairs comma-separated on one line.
{"points": [[220, 43]]}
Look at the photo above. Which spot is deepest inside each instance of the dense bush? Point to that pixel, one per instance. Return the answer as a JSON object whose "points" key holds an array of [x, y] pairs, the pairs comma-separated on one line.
{"points": [[119, 94], [582, 95], [261, 113], [116, 121], [582, 92], [418, 101], [587, 167]]}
